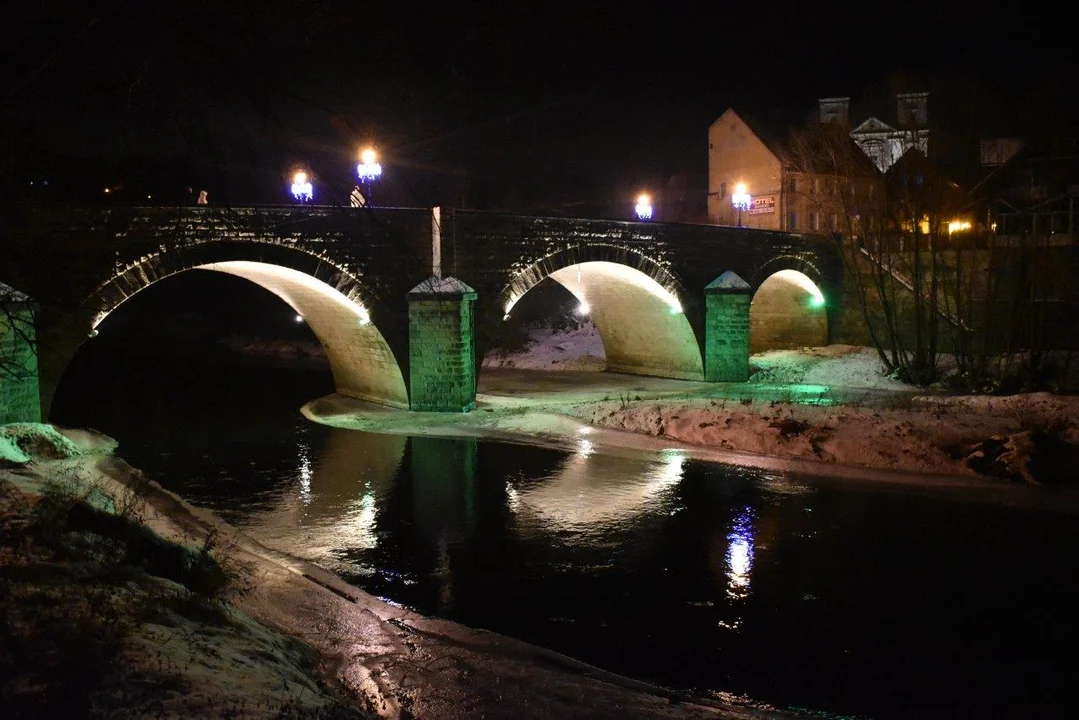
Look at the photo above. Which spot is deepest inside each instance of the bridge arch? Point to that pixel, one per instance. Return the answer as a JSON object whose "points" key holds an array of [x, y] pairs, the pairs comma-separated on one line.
{"points": [[636, 303], [789, 307], [333, 302]]}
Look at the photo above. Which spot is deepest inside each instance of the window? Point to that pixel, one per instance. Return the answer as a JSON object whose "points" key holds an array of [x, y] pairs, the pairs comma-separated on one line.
{"points": [[722, 190], [792, 221], [833, 222], [792, 184], [814, 221]]}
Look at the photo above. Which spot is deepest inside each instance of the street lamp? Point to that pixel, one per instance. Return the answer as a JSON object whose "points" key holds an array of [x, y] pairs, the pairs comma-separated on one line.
{"points": [[644, 207], [368, 170], [741, 200], [302, 189]]}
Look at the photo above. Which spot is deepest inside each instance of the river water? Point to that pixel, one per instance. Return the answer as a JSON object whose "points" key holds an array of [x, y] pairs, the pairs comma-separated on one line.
{"points": [[846, 599]]}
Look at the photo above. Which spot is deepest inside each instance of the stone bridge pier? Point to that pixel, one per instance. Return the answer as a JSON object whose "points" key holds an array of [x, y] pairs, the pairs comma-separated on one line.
{"points": [[406, 301]]}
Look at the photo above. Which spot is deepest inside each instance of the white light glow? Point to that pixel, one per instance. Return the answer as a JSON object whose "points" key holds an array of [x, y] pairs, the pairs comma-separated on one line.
{"points": [[669, 472], [644, 207], [369, 167], [741, 199], [299, 318], [801, 280], [740, 555], [302, 189], [368, 172], [958, 226], [583, 308], [305, 479]]}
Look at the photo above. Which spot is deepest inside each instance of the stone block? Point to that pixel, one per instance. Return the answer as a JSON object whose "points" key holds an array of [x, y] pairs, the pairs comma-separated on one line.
{"points": [[441, 346], [726, 334]]}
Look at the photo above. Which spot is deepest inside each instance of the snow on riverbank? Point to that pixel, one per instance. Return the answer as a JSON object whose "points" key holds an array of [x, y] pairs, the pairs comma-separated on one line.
{"points": [[575, 349], [926, 437], [846, 366], [890, 427]]}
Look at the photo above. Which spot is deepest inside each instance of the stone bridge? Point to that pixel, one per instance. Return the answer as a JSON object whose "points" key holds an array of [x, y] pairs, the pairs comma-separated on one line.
{"points": [[407, 301]]}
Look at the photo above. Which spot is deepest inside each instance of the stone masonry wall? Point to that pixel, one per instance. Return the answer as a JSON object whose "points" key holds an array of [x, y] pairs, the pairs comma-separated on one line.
{"points": [[442, 363], [726, 353]]}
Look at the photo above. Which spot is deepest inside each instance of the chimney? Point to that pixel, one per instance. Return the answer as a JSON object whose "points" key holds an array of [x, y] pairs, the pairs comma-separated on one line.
{"points": [[835, 110]]}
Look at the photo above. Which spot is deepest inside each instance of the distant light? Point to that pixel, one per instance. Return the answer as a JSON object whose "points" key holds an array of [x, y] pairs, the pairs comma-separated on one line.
{"points": [[369, 167], [958, 225], [583, 308], [149, 197], [741, 199], [676, 307], [364, 315], [644, 206], [299, 318], [106, 191], [816, 301], [301, 187]]}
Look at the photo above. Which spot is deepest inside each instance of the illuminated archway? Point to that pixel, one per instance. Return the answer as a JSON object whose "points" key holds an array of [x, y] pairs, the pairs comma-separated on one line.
{"points": [[328, 298], [636, 308], [788, 311]]}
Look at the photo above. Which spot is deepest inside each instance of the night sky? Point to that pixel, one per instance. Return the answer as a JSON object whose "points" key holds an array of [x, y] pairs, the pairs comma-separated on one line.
{"points": [[522, 106]]}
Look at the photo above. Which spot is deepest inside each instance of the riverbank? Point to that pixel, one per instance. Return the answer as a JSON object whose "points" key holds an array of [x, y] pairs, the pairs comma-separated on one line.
{"points": [[296, 642], [819, 410]]}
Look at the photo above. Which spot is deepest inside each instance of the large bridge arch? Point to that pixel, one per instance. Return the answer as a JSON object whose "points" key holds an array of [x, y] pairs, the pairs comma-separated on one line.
{"points": [[637, 304], [341, 312], [789, 306]]}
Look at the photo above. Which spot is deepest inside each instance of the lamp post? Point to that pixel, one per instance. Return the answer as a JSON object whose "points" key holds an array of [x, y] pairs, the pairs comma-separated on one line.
{"points": [[644, 207], [302, 189], [741, 200], [368, 170]]}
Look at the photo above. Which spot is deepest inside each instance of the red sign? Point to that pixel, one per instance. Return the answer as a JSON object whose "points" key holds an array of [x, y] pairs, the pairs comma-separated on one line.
{"points": [[762, 205]]}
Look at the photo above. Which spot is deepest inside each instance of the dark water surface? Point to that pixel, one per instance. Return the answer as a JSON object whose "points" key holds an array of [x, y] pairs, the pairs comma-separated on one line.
{"points": [[882, 602]]}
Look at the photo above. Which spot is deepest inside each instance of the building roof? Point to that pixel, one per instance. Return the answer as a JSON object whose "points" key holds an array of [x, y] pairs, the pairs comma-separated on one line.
{"points": [[9, 294]]}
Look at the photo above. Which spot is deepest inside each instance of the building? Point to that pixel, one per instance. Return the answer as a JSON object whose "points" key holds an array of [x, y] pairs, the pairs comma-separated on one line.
{"points": [[884, 144], [792, 186]]}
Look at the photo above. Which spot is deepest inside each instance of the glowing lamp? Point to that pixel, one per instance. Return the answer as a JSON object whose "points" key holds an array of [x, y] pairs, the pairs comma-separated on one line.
{"points": [[301, 187], [299, 318], [369, 168], [958, 226], [644, 207], [583, 308], [741, 200]]}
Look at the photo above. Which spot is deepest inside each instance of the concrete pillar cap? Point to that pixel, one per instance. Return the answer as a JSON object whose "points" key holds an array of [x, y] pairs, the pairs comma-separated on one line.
{"points": [[444, 288], [728, 282]]}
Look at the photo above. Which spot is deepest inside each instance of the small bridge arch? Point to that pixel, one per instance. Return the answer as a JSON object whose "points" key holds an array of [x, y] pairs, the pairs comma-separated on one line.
{"points": [[637, 304], [790, 306]]}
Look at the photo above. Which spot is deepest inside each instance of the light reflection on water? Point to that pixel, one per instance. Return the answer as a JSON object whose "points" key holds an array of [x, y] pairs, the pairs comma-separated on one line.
{"points": [[740, 554], [657, 566]]}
